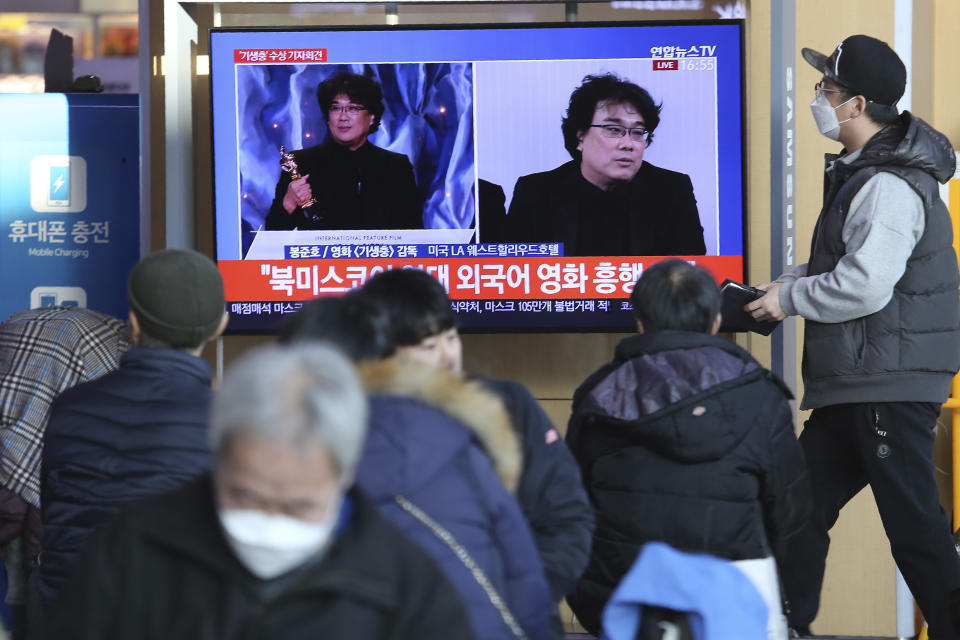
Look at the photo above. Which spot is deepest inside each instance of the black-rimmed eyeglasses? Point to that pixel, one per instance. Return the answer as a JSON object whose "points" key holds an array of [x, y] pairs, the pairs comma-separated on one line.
{"points": [[351, 109], [819, 89], [637, 134]]}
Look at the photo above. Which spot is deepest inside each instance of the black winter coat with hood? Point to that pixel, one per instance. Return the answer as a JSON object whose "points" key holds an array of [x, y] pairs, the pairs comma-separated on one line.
{"points": [[685, 439]]}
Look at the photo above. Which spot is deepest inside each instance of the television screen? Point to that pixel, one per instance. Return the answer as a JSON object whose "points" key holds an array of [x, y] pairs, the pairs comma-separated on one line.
{"points": [[534, 170]]}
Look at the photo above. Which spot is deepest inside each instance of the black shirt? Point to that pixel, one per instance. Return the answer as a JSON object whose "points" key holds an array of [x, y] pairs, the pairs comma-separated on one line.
{"points": [[370, 188], [603, 219], [655, 214]]}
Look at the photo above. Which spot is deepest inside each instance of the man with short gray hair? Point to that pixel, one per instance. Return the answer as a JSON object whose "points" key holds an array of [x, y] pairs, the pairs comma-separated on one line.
{"points": [[276, 542]]}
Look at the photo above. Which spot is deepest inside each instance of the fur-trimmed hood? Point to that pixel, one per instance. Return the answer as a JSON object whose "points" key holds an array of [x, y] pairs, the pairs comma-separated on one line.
{"points": [[398, 386]]}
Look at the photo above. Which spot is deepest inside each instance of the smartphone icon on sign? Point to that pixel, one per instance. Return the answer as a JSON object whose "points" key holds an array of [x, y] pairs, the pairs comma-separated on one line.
{"points": [[58, 296], [59, 185]]}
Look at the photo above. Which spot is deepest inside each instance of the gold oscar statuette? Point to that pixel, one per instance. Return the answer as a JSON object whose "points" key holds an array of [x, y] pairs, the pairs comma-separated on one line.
{"points": [[289, 164]]}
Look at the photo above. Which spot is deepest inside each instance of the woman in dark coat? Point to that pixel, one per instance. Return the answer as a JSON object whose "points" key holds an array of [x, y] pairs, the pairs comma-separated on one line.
{"points": [[443, 447], [441, 463]]}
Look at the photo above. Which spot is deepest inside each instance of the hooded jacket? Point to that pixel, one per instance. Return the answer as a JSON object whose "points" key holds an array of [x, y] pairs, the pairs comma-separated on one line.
{"points": [[718, 600], [910, 349], [445, 445], [684, 439]]}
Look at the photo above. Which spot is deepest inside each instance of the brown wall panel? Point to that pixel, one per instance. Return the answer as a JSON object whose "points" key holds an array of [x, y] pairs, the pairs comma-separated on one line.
{"points": [[945, 28], [551, 365], [559, 412]]}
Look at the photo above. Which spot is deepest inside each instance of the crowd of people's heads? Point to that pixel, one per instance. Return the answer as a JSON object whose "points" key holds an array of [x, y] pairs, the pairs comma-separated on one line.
{"points": [[407, 312], [291, 423], [449, 505]]}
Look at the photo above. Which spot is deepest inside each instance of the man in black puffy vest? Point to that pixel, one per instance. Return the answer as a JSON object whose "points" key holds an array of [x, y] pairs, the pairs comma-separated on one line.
{"points": [[685, 439], [882, 334]]}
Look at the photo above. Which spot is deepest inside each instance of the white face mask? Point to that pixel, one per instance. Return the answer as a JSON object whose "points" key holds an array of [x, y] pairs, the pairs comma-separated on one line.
{"points": [[826, 116], [270, 545]]}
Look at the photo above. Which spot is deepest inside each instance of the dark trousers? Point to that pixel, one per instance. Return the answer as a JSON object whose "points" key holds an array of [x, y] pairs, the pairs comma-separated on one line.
{"points": [[890, 446]]}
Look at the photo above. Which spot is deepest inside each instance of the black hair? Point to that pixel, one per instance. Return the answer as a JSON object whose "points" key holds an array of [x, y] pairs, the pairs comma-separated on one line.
{"points": [[609, 88], [359, 88], [675, 294], [358, 326], [416, 303], [881, 114]]}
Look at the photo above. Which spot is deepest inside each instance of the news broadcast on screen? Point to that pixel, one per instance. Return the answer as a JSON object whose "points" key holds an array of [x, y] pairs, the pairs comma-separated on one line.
{"points": [[516, 164]]}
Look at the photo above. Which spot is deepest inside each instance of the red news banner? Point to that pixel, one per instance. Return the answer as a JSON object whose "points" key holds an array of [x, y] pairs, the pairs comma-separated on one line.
{"points": [[464, 278], [259, 56]]}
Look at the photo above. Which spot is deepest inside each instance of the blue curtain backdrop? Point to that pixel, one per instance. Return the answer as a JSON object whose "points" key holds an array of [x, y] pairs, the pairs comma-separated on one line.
{"points": [[428, 117]]}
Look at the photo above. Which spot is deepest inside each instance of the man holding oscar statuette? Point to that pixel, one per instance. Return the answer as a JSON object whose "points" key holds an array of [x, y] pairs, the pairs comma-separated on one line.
{"points": [[346, 182]]}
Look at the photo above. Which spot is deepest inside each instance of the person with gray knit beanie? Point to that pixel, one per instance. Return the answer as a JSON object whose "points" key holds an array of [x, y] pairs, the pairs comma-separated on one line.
{"points": [[142, 429], [176, 299]]}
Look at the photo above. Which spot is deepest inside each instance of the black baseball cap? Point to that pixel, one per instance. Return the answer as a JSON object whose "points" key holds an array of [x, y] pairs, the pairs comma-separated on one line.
{"points": [[866, 66]]}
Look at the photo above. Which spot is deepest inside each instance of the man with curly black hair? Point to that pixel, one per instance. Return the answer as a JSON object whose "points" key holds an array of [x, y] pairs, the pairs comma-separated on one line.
{"points": [[608, 200], [354, 184]]}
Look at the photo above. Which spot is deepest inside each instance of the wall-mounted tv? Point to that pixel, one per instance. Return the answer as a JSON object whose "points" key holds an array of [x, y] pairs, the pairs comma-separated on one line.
{"points": [[339, 153]]}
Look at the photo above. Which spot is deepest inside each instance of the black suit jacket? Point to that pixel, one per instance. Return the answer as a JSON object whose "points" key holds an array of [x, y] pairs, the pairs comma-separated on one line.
{"points": [[370, 188], [662, 218], [493, 211]]}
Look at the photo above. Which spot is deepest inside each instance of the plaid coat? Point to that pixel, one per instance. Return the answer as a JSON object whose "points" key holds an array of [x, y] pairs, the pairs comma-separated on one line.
{"points": [[42, 353]]}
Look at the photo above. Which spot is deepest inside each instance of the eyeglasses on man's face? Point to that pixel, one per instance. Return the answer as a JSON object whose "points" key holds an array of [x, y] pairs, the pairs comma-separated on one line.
{"points": [[349, 109], [819, 89], [637, 134]]}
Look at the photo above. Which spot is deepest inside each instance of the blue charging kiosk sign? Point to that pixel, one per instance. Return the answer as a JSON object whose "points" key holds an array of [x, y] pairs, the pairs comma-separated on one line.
{"points": [[69, 200]]}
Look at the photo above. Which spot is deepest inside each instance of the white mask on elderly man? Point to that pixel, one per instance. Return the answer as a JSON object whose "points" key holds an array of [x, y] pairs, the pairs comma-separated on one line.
{"points": [[825, 115], [271, 545]]}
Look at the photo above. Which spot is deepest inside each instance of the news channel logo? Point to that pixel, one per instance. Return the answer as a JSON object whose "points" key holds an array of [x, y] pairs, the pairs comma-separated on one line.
{"points": [[58, 184], [58, 297]]}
